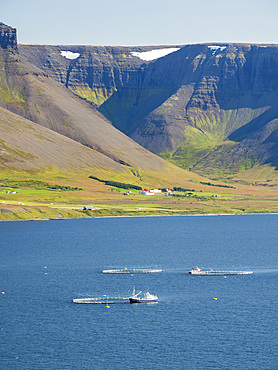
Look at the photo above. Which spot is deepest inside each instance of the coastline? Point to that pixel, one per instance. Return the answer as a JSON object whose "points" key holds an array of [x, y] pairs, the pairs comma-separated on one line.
{"points": [[134, 216]]}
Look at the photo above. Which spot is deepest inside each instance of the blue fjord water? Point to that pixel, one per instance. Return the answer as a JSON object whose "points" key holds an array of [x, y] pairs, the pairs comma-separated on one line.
{"points": [[40, 328]]}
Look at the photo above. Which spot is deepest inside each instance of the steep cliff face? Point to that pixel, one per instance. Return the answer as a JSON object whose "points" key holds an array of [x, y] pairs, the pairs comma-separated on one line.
{"points": [[196, 82], [8, 38], [12, 84], [192, 106], [202, 98], [92, 72]]}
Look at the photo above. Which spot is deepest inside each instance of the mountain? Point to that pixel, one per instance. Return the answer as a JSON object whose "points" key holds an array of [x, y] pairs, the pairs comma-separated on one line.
{"points": [[210, 108], [44, 125]]}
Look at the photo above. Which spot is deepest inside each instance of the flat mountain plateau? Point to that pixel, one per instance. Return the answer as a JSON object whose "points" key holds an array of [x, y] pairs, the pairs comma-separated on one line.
{"points": [[73, 120]]}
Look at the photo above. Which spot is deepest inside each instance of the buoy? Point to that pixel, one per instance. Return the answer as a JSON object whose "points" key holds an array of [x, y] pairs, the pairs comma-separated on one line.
{"points": [[215, 299], [45, 267], [224, 277], [104, 295], [107, 306], [131, 275], [2, 292], [45, 273]]}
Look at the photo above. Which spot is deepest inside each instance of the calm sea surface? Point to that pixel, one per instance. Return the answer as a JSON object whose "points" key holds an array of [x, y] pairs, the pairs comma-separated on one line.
{"points": [[40, 327]]}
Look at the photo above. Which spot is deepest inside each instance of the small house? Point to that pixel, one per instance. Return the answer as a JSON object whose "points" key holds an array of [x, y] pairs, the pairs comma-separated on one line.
{"points": [[146, 192], [155, 190]]}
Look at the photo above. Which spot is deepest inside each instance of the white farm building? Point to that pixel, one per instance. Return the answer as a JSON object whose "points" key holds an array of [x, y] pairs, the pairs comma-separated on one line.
{"points": [[146, 192]]}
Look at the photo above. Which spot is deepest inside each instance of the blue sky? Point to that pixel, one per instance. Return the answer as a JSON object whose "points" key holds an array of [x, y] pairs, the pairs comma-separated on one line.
{"points": [[143, 22]]}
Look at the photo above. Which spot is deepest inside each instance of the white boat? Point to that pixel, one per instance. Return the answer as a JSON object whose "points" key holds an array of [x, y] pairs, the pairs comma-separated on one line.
{"points": [[144, 298], [198, 271]]}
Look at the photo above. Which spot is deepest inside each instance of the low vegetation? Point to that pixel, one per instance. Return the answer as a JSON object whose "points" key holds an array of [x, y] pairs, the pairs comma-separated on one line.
{"points": [[178, 188], [34, 184], [217, 185], [41, 196], [117, 184]]}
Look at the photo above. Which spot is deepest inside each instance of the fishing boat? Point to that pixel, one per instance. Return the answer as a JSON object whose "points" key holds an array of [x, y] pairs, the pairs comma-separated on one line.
{"points": [[144, 298], [198, 271]]}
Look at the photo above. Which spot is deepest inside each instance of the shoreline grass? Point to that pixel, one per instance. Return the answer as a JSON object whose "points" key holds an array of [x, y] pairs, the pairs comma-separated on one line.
{"points": [[36, 200], [46, 213]]}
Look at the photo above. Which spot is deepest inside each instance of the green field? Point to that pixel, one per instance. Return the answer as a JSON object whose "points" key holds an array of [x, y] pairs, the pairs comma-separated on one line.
{"points": [[65, 195]]}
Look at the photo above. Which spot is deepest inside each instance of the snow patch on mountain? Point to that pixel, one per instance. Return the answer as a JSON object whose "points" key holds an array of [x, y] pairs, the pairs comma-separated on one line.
{"points": [[69, 54], [154, 54], [214, 48]]}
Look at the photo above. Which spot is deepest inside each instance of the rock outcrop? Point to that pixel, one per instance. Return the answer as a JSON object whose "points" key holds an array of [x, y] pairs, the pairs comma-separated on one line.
{"points": [[8, 38]]}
